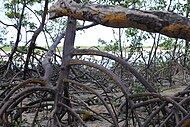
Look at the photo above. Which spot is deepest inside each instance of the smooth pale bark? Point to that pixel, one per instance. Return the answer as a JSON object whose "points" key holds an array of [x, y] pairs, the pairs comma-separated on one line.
{"points": [[166, 23]]}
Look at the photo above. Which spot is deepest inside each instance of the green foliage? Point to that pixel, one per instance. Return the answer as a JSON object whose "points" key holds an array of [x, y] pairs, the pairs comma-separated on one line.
{"points": [[125, 3], [159, 5], [30, 20], [6, 48], [132, 36], [32, 25], [109, 46], [8, 6], [38, 12], [18, 123], [23, 48], [138, 88], [10, 13], [29, 2], [3, 32], [186, 7], [167, 44]]}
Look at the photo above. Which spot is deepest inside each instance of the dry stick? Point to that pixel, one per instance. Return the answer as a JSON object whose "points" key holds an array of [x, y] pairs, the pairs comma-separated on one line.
{"points": [[99, 96], [84, 104], [15, 103], [22, 85], [133, 112], [111, 75], [176, 115], [23, 96], [46, 61], [155, 100], [166, 119], [178, 106], [145, 124], [182, 93], [25, 108], [57, 120], [104, 70], [180, 103], [38, 109], [25, 92], [164, 98], [137, 118], [121, 61], [155, 112], [17, 39], [73, 113], [34, 37], [185, 122], [144, 103], [98, 83], [30, 105]]}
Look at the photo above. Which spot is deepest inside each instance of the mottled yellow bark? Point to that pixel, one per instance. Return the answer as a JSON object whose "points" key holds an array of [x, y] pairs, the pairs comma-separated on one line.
{"points": [[95, 12], [117, 21], [64, 11], [176, 30], [78, 15], [121, 21]]}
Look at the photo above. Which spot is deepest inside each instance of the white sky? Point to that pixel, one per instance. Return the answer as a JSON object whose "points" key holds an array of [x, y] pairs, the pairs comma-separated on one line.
{"points": [[90, 36]]}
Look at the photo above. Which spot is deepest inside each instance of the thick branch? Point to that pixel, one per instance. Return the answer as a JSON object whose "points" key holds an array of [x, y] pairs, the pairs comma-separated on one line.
{"points": [[167, 23]]}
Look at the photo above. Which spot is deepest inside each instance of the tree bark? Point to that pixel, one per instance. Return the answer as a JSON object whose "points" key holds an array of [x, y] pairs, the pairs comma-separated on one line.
{"points": [[166, 23]]}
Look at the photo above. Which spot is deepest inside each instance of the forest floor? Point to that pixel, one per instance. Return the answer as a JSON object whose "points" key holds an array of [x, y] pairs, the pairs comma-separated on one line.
{"points": [[166, 91]]}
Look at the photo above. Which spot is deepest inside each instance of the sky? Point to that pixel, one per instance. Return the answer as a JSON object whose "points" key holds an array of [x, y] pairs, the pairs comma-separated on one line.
{"points": [[90, 36]]}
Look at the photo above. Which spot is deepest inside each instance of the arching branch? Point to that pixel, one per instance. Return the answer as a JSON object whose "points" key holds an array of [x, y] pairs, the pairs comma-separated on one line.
{"points": [[118, 59], [166, 23]]}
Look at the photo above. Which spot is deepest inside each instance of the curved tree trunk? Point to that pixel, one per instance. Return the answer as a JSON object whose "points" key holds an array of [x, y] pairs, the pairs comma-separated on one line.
{"points": [[166, 23]]}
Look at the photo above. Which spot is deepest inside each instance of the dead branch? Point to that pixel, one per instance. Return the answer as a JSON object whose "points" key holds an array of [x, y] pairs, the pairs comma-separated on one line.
{"points": [[166, 23]]}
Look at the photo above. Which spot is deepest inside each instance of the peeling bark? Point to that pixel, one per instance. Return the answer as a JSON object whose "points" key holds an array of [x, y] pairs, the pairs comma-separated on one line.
{"points": [[166, 23]]}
